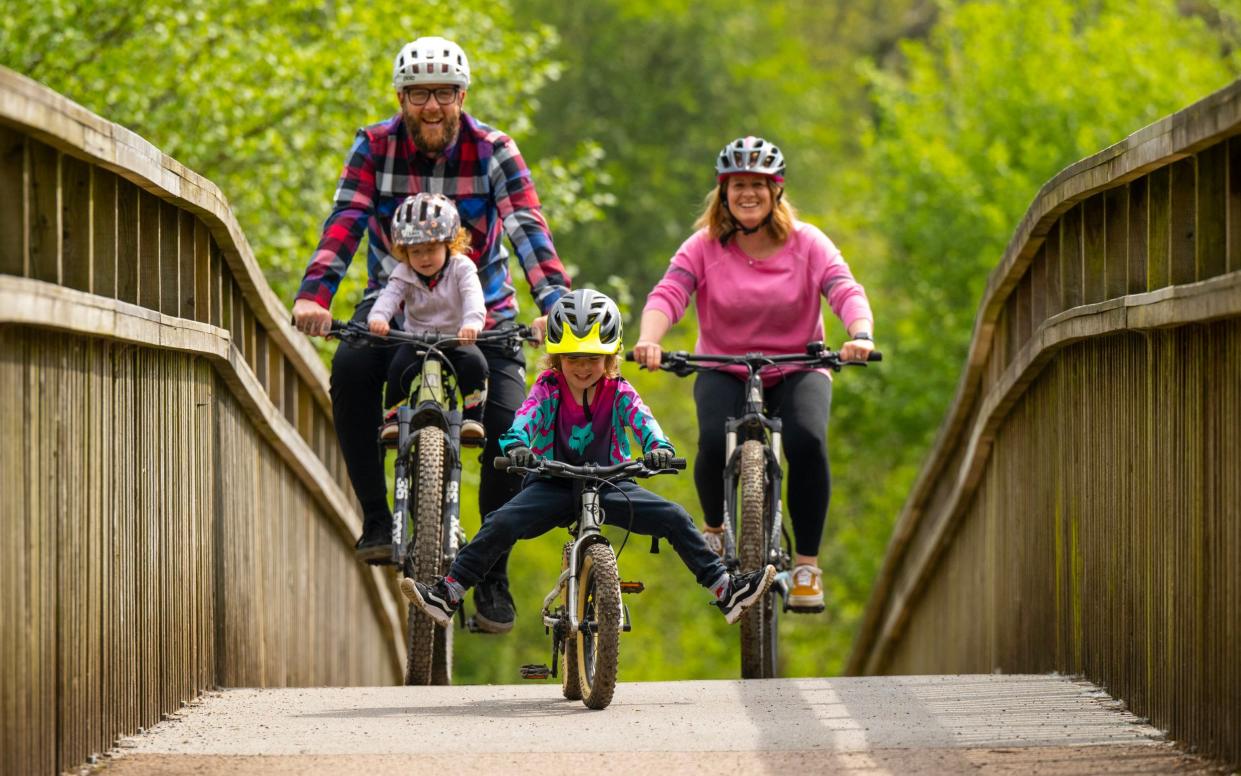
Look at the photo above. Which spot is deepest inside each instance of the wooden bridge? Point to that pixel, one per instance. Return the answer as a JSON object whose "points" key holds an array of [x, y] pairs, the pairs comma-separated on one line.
{"points": [[175, 515]]}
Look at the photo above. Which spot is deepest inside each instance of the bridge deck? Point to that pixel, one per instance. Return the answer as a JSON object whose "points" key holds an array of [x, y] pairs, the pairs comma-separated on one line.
{"points": [[925, 724]]}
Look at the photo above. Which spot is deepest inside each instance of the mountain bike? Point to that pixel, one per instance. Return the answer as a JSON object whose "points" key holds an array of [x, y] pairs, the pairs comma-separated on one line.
{"points": [[426, 504], [584, 613], [754, 532]]}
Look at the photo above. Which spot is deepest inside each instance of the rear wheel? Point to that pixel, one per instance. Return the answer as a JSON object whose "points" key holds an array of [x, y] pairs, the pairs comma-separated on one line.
{"points": [[424, 560], [599, 615], [758, 625]]}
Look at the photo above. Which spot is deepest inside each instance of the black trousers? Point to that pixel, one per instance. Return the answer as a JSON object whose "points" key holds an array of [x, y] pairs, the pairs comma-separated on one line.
{"points": [[357, 387], [802, 401], [545, 504], [467, 361]]}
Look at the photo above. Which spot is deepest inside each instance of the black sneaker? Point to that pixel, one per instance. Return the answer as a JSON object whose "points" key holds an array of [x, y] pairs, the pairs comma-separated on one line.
{"points": [[494, 611], [744, 590], [433, 600], [375, 544]]}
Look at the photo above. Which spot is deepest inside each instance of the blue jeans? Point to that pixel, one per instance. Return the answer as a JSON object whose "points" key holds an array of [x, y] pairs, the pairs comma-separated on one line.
{"points": [[545, 504]]}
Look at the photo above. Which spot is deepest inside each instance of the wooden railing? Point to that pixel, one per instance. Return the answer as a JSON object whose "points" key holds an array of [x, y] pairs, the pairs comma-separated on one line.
{"points": [[174, 511], [1081, 509]]}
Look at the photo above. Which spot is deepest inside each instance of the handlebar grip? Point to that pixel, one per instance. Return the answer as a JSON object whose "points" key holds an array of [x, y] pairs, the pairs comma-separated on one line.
{"points": [[501, 462], [677, 463], [629, 355], [875, 355]]}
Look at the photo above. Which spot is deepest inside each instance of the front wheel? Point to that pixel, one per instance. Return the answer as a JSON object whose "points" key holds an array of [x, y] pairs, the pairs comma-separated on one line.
{"points": [[424, 560], [758, 625], [599, 613]]}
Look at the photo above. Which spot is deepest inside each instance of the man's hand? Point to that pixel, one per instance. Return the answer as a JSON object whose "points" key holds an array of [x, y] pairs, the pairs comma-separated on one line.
{"points": [[468, 334], [659, 458], [311, 318], [648, 354], [538, 329], [522, 456], [378, 326]]}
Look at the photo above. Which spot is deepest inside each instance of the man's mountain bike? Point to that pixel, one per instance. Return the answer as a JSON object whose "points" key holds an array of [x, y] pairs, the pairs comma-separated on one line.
{"points": [[426, 504], [753, 474], [584, 613]]}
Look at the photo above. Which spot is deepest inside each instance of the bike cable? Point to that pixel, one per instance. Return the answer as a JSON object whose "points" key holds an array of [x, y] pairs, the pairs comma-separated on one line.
{"points": [[629, 502]]}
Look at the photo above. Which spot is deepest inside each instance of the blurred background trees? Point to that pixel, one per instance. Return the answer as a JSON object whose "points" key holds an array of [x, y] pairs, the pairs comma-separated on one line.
{"points": [[916, 131]]}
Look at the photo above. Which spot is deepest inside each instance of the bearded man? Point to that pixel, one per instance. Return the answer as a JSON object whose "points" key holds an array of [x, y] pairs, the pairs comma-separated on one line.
{"points": [[431, 145]]}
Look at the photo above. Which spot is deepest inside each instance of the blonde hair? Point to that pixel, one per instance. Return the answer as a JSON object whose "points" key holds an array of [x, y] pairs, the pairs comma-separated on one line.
{"points": [[460, 243], [720, 223], [611, 363]]}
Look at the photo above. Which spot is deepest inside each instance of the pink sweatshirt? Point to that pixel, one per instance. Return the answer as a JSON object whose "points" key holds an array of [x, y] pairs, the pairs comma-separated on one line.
{"points": [[456, 300], [769, 306]]}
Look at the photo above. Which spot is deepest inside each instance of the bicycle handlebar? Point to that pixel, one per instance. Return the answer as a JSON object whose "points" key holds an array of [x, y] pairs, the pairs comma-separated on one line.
{"points": [[356, 330], [683, 362], [590, 471]]}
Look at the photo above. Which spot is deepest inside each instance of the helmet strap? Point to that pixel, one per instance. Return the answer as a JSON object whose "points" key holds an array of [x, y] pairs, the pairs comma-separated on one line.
{"points": [[737, 227]]}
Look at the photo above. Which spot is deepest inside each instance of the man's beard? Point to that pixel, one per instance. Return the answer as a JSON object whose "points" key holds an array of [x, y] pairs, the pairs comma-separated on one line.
{"points": [[437, 142]]}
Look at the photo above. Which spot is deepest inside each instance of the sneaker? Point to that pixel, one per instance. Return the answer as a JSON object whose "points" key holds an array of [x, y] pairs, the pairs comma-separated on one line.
{"points": [[389, 431], [472, 433], [494, 611], [374, 546], [744, 590], [433, 600], [713, 535], [807, 588]]}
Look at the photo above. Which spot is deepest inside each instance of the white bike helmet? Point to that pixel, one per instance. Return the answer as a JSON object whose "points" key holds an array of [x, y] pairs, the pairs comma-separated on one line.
{"points": [[431, 60], [750, 154], [425, 218]]}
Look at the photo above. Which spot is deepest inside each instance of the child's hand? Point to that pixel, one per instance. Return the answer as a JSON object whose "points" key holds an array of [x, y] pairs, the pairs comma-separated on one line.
{"points": [[378, 326], [468, 334]]}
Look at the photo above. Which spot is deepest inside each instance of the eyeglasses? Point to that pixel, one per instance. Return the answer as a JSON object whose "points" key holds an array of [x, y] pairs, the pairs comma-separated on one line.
{"points": [[444, 96]]}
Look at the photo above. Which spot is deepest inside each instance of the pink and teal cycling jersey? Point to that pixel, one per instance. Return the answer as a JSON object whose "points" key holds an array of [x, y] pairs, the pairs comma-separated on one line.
{"points": [[555, 425]]}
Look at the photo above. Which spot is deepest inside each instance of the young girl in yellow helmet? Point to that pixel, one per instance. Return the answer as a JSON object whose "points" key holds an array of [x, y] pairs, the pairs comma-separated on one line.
{"points": [[577, 412]]}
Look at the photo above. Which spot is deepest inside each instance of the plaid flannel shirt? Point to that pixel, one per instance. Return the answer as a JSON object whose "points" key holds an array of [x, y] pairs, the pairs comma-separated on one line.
{"points": [[482, 172]]}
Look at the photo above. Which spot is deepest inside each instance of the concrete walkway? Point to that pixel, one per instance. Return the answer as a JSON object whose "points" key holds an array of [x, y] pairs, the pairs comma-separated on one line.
{"points": [[926, 724]]}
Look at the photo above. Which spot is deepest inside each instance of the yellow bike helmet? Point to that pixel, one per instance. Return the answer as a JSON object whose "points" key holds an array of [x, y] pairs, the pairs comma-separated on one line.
{"points": [[584, 322]]}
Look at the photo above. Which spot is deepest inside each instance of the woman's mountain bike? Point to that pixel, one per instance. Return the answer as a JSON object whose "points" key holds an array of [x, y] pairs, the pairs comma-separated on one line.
{"points": [[753, 474], [583, 613], [426, 504]]}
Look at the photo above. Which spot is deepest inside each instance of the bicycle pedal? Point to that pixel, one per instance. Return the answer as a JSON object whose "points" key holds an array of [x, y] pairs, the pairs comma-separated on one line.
{"points": [[475, 442], [632, 587], [535, 671]]}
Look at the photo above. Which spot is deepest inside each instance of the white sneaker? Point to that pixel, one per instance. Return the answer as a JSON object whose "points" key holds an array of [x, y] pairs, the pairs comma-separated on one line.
{"points": [[806, 592]]}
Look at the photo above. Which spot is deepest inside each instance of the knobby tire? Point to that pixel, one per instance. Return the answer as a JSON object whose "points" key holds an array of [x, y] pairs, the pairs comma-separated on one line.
{"points": [[758, 624], [570, 682], [424, 561], [599, 599]]}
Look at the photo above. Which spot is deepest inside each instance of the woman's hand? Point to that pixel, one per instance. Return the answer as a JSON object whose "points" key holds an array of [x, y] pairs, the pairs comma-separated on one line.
{"points": [[467, 334], [648, 354], [378, 326], [856, 350]]}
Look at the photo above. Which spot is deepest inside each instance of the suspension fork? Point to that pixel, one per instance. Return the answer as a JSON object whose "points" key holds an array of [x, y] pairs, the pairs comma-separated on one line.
{"points": [[588, 532]]}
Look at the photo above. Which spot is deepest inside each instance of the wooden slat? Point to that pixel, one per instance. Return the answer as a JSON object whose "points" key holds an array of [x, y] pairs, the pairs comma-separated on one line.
{"points": [[187, 271], [1094, 251], [169, 259], [127, 259], [1071, 261], [1116, 264], [202, 273], [1234, 204], [76, 226], [44, 202], [1159, 222], [1138, 241], [148, 250], [103, 233], [13, 191], [1183, 238], [1212, 214]]}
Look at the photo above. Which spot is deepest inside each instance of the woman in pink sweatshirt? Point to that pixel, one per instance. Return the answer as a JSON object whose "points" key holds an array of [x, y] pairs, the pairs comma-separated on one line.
{"points": [[758, 275]]}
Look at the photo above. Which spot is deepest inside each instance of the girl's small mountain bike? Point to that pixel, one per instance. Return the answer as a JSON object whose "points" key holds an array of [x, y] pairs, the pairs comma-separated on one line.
{"points": [[426, 504], [584, 613], [754, 532]]}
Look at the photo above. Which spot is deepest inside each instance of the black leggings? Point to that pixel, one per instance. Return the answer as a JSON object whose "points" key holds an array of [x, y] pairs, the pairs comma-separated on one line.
{"points": [[358, 377], [467, 361], [802, 402]]}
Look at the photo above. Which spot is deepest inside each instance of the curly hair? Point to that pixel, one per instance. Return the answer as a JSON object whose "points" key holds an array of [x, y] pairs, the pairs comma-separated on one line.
{"points": [[460, 243], [719, 222]]}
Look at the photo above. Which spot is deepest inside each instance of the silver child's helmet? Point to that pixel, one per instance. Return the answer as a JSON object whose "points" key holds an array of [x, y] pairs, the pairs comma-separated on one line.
{"points": [[431, 60], [750, 155], [425, 218]]}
